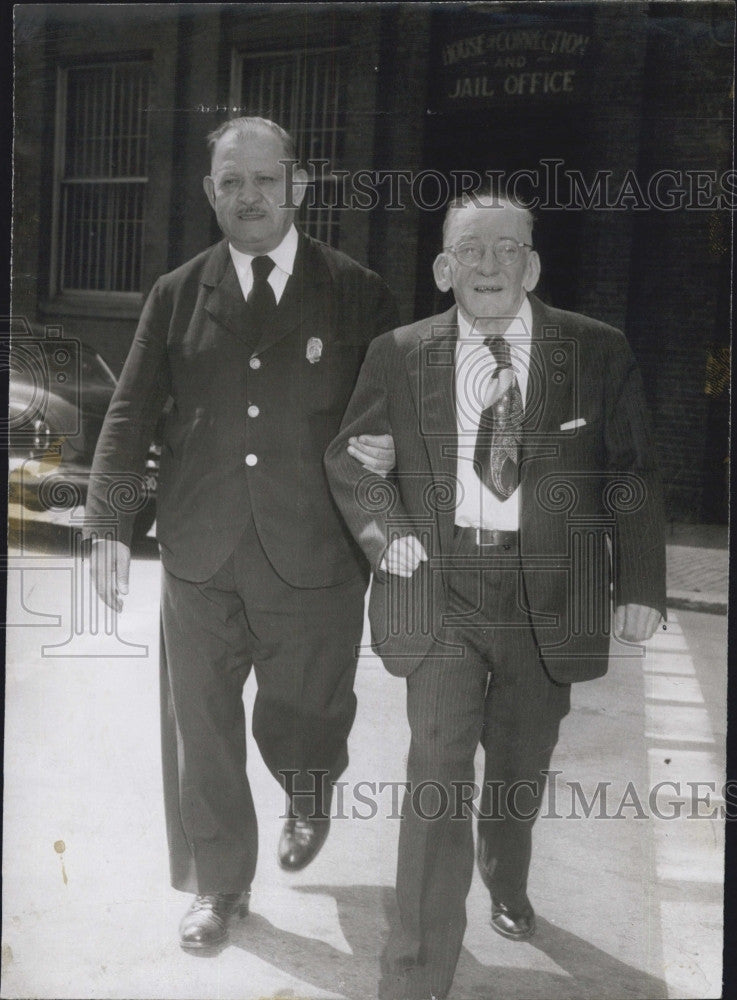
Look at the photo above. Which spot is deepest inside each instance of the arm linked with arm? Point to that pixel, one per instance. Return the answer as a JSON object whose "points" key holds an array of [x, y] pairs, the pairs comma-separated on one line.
{"points": [[367, 501], [373, 451]]}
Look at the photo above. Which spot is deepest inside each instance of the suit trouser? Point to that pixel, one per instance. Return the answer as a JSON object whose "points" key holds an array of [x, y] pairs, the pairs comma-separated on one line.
{"points": [[498, 692], [302, 645]]}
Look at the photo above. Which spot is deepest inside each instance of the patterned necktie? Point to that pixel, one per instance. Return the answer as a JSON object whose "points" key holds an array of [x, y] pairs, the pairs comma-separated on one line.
{"points": [[261, 299], [496, 456]]}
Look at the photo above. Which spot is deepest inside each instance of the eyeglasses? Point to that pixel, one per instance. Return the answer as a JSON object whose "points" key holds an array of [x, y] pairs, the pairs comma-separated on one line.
{"points": [[506, 252]]}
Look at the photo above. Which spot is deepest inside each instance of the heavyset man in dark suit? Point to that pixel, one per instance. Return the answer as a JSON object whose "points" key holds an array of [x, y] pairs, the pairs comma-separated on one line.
{"points": [[258, 341], [525, 481]]}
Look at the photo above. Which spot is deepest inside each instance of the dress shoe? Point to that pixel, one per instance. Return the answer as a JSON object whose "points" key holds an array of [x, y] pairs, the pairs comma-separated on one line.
{"points": [[205, 924], [300, 841], [517, 924]]}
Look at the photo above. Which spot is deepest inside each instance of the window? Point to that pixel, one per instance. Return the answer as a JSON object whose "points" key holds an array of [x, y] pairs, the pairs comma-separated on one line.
{"points": [[304, 92], [101, 161]]}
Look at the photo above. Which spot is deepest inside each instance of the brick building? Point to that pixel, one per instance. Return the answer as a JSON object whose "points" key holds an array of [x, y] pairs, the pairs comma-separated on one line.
{"points": [[616, 118]]}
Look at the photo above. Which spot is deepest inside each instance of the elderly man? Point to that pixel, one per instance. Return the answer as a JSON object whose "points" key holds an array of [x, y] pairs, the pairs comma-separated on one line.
{"points": [[525, 483], [258, 342]]}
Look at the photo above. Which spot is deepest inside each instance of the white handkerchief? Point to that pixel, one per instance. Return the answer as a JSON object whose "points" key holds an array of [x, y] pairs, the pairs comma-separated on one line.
{"points": [[569, 425]]}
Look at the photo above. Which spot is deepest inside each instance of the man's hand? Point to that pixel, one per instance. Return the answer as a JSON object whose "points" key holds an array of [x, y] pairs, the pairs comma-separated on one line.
{"points": [[109, 565], [375, 452], [635, 622], [403, 556]]}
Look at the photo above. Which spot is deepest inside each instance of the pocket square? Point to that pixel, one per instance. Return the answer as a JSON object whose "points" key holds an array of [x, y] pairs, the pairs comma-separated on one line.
{"points": [[570, 425]]}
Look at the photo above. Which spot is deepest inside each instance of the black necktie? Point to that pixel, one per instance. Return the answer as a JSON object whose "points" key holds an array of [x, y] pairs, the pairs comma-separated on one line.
{"points": [[496, 456], [261, 299]]}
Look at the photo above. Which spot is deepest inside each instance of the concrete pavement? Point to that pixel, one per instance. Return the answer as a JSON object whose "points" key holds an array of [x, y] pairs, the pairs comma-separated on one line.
{"points": [[628, 901], [697, 573]]}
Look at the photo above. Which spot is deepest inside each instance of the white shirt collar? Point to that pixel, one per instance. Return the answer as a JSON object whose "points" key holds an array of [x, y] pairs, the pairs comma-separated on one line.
{"points": [[518, 332], [282, 255]]}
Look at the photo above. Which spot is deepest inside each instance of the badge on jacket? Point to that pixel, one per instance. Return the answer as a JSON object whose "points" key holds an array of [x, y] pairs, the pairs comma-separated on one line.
{"points": [[314, 350]]}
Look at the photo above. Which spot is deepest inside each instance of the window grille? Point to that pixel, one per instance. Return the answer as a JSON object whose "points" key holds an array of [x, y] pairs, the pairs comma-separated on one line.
{"points": [[103, 170], [304, 92]]}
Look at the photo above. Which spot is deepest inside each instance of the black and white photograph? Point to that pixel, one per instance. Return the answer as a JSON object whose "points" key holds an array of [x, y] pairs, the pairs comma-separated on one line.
{"points": [[368, 456]]}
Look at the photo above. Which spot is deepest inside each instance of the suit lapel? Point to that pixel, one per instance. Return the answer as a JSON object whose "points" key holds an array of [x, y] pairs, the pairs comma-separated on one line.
{"points": [[431, 373], [304, 302], [550, 383], [548, 403], [225, 303]]}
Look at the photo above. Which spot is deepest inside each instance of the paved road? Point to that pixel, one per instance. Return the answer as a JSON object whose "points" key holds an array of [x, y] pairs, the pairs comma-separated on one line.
{"points": [[628, 903]]}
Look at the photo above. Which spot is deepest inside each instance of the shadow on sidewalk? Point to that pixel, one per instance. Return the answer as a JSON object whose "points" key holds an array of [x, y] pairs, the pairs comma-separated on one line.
{"points": [[585, 972], [366, 913], [363, 916]]}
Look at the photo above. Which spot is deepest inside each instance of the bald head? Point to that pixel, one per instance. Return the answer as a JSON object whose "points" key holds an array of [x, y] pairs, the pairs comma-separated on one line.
{"points": [[243, 128], [490, 203]]}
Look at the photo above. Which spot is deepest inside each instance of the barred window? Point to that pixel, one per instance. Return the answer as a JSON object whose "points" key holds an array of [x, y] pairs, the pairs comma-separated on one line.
{"points": [[102, 170], [304, 92]]}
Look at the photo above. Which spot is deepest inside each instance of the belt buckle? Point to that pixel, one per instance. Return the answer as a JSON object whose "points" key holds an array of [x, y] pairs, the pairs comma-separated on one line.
{"points": [[492, 532], [496, 539]]}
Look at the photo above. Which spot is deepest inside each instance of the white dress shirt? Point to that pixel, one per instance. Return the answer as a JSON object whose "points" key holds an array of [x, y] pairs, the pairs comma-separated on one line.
{"points": [[477, 506], [283, 257]]}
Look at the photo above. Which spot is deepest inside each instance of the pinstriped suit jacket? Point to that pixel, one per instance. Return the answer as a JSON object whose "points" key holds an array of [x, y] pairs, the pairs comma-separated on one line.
{"points": [[590, 501]]}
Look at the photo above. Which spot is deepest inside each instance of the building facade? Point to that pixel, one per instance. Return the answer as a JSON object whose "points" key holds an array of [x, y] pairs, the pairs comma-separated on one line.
{"points": [[615, 119]]}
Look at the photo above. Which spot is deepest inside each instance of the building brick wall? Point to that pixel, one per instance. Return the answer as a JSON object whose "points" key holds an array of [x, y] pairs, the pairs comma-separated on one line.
{"points": [[612, 126], [677, 301], [400, 132], [657, 97], [45, 39]]}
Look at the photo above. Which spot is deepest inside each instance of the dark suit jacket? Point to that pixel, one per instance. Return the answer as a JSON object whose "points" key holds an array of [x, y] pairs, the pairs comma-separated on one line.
{"points": [[590, 506], [195, 343]]}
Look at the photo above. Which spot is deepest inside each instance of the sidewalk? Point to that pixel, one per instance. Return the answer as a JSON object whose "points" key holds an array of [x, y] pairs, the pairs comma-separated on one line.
{"points": [[626, 875], [697, 577]]}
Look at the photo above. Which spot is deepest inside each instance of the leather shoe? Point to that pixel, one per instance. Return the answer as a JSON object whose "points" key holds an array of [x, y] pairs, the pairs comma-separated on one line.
{"points": [[205, 924], [519, 925], [300, 841]]}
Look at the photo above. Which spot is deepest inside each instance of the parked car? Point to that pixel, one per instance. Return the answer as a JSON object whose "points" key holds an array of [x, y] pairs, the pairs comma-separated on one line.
{"points": [[59, 392]]}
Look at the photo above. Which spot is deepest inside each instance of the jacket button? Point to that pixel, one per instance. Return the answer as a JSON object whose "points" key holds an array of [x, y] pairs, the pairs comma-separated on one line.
{"points": [[254, 363], [253, 411], [251, 459]]}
